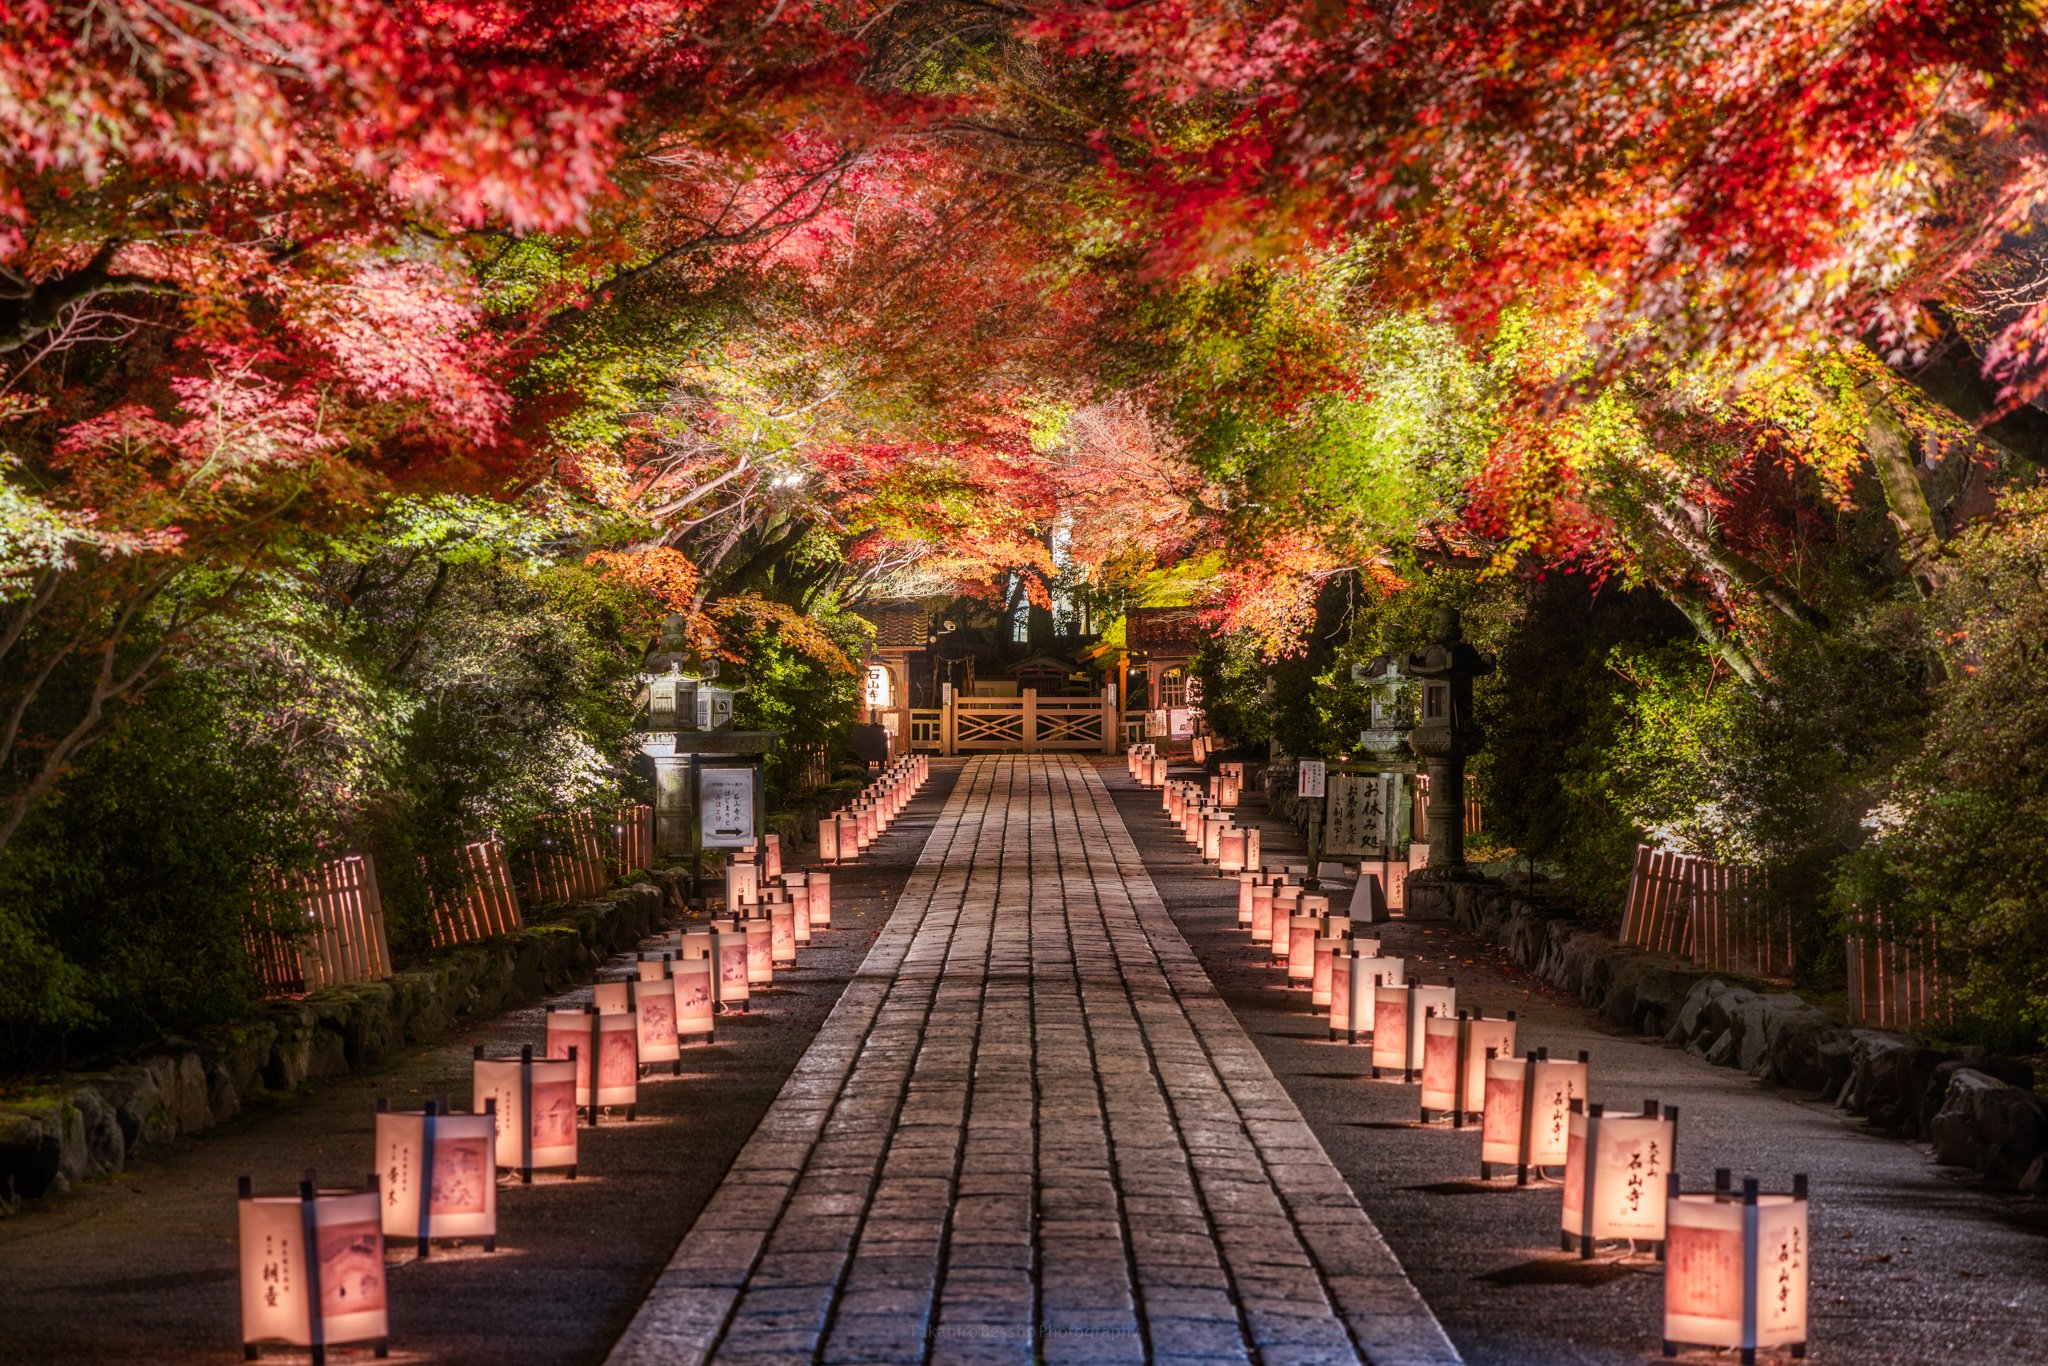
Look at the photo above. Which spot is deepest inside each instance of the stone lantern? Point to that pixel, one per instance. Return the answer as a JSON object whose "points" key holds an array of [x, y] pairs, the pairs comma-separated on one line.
{"points": [[1445, 733]]}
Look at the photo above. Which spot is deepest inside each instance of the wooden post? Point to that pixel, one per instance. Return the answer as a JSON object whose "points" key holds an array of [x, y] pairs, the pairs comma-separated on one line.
{"points": [[946, 736], [1030, 721], [1112, 722]]}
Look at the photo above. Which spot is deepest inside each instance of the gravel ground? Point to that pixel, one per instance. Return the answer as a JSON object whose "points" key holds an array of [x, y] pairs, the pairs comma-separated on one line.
{"points": [[141, 1267], [1912, 1264]]}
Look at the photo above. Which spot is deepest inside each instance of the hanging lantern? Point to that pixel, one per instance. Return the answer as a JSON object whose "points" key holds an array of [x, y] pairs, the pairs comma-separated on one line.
{"points": [[1615, 1171], [1454, 1054], [611, 1040], [820, 885], [1352, 983], [1528, 1112], [1398, 1015], [312, 1268], [534, 1103], [438, 1174], [1736, 1268], [782, 935], [828, 839]]}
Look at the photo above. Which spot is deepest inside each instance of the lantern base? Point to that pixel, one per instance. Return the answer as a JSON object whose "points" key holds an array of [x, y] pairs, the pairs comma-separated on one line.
{"points": [[1672, 1350]]}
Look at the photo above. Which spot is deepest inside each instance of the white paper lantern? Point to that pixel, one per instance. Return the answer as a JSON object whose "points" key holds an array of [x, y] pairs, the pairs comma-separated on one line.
{"points": [[1528, 1112], [772, 856], [850, 842], [1262, 913], [534, 1103], [1302, 933], [612, 1040], [828, 839], [1352, 987], [312, 1269], [742, 883], [1251, 847], [696, 992], [1736, 1268], [1454, 1053], [1323, 981], [820, 888], [1230, 852], [1398, 1015], [782, 934], [654, 1009], [437, 1174], [1247, 884], [1616, 1170]]}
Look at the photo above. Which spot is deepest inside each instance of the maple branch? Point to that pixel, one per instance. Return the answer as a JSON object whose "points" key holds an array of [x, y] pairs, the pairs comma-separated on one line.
{"points": [[30, 308]]}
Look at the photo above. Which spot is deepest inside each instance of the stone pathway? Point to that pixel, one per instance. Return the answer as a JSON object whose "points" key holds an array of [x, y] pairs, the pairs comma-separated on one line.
{"points": [[1030, 1128]]}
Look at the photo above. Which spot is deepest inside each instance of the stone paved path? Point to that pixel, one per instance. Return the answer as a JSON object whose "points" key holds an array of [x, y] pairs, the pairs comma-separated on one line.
{"points": [[1030, 1128]]}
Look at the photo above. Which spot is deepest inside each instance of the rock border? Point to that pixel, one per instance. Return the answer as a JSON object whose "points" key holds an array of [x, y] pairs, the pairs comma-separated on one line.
{"points": [[1978, 1111], [91, 1124]]}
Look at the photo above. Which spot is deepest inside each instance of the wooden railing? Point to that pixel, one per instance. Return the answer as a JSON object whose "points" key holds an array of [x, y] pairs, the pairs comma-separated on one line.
{"points": [[1475, 811], [1896, 978], [1714, 913], [339, 937], [1027, 724]]}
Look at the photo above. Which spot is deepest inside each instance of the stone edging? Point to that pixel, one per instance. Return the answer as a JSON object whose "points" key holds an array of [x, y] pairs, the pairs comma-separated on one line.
{"points": [[1979, 1112], [88, 1125]]}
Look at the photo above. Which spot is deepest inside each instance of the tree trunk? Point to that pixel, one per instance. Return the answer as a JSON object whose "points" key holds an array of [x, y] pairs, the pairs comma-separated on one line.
{"points": [[1891, 454]]}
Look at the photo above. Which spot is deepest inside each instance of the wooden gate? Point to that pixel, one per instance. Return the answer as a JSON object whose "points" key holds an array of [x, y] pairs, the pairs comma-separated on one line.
{"points": [[1711, 912], [1027, 724]]}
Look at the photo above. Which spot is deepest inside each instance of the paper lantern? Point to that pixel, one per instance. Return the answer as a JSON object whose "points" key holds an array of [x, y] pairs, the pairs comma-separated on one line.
{"points": [[534, 1103], [1230, 852], [1615, 1175], [782, 935], [609, 1038], [1247, 886], [1454, 1053], [696, 992], [760, 937], [1286, 905], [1418, 858], [1251, 847], [742, 883], [820, 885], [1302, 933], [1736, 1268], [1322, 981], [772, 856], [652, 1003], [1528, 1112], [799, 915], [437, 1174], [312, 1268], [1262, 913], [1352, 986], [849, 835], [1398, 1015], [828, 839]]}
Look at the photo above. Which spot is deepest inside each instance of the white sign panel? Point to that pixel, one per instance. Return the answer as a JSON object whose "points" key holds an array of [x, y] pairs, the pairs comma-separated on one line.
{"points": [[1312, 778], [726, 816]]}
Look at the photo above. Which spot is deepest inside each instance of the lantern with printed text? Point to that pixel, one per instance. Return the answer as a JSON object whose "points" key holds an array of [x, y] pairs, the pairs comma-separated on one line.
{"points": [[1251, 848], [742, 882], [1528, 1112], [1736, 1268], [820, 887], [828, 839], [1454, 1054], [1398, 1016], [1213, 826], [610, 1039], [1355, 974], [1615, 1173], [437, 1174], [534, 1103], [312, 1268]]}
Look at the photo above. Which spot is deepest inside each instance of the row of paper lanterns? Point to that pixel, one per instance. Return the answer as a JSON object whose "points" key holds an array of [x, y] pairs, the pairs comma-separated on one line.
{"points": [[312, 1262], [1736, 1261], [846, 833]]}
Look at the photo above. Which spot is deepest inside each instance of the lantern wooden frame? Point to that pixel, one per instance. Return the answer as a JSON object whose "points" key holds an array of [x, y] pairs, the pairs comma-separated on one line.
{"points": [[1615, 1171], [1528, 1111], [1754, 1238], [1398, 1016], [276, 1234], [1454, 1054], [451, 1160], [1352, 987], [526, 1094], [602, 1040]]}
